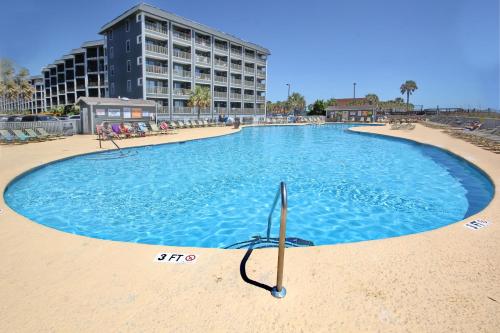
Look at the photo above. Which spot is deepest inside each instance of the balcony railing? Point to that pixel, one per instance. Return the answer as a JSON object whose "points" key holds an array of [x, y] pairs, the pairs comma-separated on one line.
{"points": [[261, 98], [236, 67], [261, 86], [236, 52], [261, 60], [182, 73], [80, 87], [249, 83], [93, 83], [249, 97], [181, 35], [220, 63], [181, 92], [163, 109], [157, 90], [156, 28], [221, 47], [236, 82], [260, 111], [235, 96], [203, 76], [249, 70], [222, 79], [202, 42], [249, 55], [182, 54], [182, 109], [220, 94], [157, 69], [261, 73], [156, 48], [220, 110], [202, 59]]}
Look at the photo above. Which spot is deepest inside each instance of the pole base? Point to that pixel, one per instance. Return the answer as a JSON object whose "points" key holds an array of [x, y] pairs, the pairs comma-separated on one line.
{"points": [[278, 294]]}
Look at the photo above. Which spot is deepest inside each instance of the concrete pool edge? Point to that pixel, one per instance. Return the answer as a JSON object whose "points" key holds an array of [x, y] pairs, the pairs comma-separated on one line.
{"points": [[432, 271]]}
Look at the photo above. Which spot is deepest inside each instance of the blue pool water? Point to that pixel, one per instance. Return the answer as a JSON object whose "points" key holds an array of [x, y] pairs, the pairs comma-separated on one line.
{"points": [[342, 186]]}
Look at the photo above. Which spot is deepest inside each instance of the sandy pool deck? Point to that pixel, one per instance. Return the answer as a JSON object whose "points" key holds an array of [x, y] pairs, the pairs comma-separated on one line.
{"points": [[438, 281]]}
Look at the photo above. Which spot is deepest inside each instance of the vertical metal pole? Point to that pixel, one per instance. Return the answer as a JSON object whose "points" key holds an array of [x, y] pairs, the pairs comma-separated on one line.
{"points": [[279, 291]]}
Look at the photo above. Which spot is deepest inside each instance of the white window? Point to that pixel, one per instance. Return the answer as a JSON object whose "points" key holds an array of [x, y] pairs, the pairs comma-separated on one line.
{"points": [[139, 81], [127, 26], [139, 61], [110, 34], [111, 53], [112, 70], [129, 65], [127, 45], [129, 86], [138, 18], [139, 39], [112, 88]]}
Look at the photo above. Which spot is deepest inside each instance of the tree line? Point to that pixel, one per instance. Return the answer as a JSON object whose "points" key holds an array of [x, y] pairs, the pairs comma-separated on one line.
{"points": [[15, 86]]}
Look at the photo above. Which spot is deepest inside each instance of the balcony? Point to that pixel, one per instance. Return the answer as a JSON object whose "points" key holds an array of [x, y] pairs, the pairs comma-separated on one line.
{"points": [[220, 110], [249, 83], [221, 47], [156, 28], [236, 53], [261, 98], [157, 90], [80, 87], [203, 76], [220, 79], [93, 84], [156, 49], [182, 109], [220, 94], [203, 60], [236, 82], [249, 55], [236, 67], [162, 109], [183, 55], [154, 69], [261, 73], [235, 96], [202, 42], [182, 36], [260, 111], [182, 73], [249, 70], [181, 92], [261, 86], [249, 97], [248, 111], [261, 60], [220, 63]]}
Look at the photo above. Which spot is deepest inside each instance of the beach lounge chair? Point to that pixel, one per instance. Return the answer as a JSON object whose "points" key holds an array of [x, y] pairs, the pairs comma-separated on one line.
{"points": [[172, 125], [44, 134], [7, 137], [144, 129], [21, 136], [182, 124], [33, 136], [155, 129], [116, 129]]}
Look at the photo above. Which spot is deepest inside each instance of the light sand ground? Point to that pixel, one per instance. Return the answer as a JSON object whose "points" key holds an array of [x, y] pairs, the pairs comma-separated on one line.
{"points": [[438, 281]]}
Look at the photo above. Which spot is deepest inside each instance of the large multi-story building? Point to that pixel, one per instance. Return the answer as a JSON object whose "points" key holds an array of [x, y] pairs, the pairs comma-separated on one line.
{"points": [[156, 55], [148, 53], [81, 73]]}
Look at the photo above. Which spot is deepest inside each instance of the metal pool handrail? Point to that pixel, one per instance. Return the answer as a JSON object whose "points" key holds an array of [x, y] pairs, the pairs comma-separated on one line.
{"points": [[279, 291]]}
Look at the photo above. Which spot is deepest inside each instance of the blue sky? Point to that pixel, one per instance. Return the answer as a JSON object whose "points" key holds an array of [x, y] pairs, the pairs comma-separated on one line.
{"points": [[449, 47]]}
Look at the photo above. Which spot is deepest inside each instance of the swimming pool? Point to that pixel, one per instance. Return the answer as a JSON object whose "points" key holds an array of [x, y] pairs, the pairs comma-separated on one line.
{"points": [[342, 187]]}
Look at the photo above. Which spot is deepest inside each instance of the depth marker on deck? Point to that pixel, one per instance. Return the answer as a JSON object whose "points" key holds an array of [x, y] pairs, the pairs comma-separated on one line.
{"points": [[477, 224], [175, 258]]}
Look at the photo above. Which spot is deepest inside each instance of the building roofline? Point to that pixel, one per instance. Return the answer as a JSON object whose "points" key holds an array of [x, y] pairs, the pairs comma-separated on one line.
{"points": [[173, 17], [91, 43]]}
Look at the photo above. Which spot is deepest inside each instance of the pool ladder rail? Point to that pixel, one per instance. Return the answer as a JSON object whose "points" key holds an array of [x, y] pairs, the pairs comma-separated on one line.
{"points": [[279, 291]]}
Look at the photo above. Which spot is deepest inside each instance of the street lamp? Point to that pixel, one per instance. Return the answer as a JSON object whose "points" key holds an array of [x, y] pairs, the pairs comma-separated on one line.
{"points": [[288, 98], [354, 84]]}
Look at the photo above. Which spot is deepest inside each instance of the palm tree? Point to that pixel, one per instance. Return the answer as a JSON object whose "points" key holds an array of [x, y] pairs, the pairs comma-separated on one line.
{"points": [[408, 88], [372, 99], [200, 98], [296, 102]]}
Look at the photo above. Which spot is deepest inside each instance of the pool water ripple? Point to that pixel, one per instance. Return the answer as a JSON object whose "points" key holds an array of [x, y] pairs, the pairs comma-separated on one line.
{"points": [[343, 187]]}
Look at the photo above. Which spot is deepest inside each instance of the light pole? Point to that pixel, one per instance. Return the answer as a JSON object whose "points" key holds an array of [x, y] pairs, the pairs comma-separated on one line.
{"points": [[288, 98], [354, 84]]}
